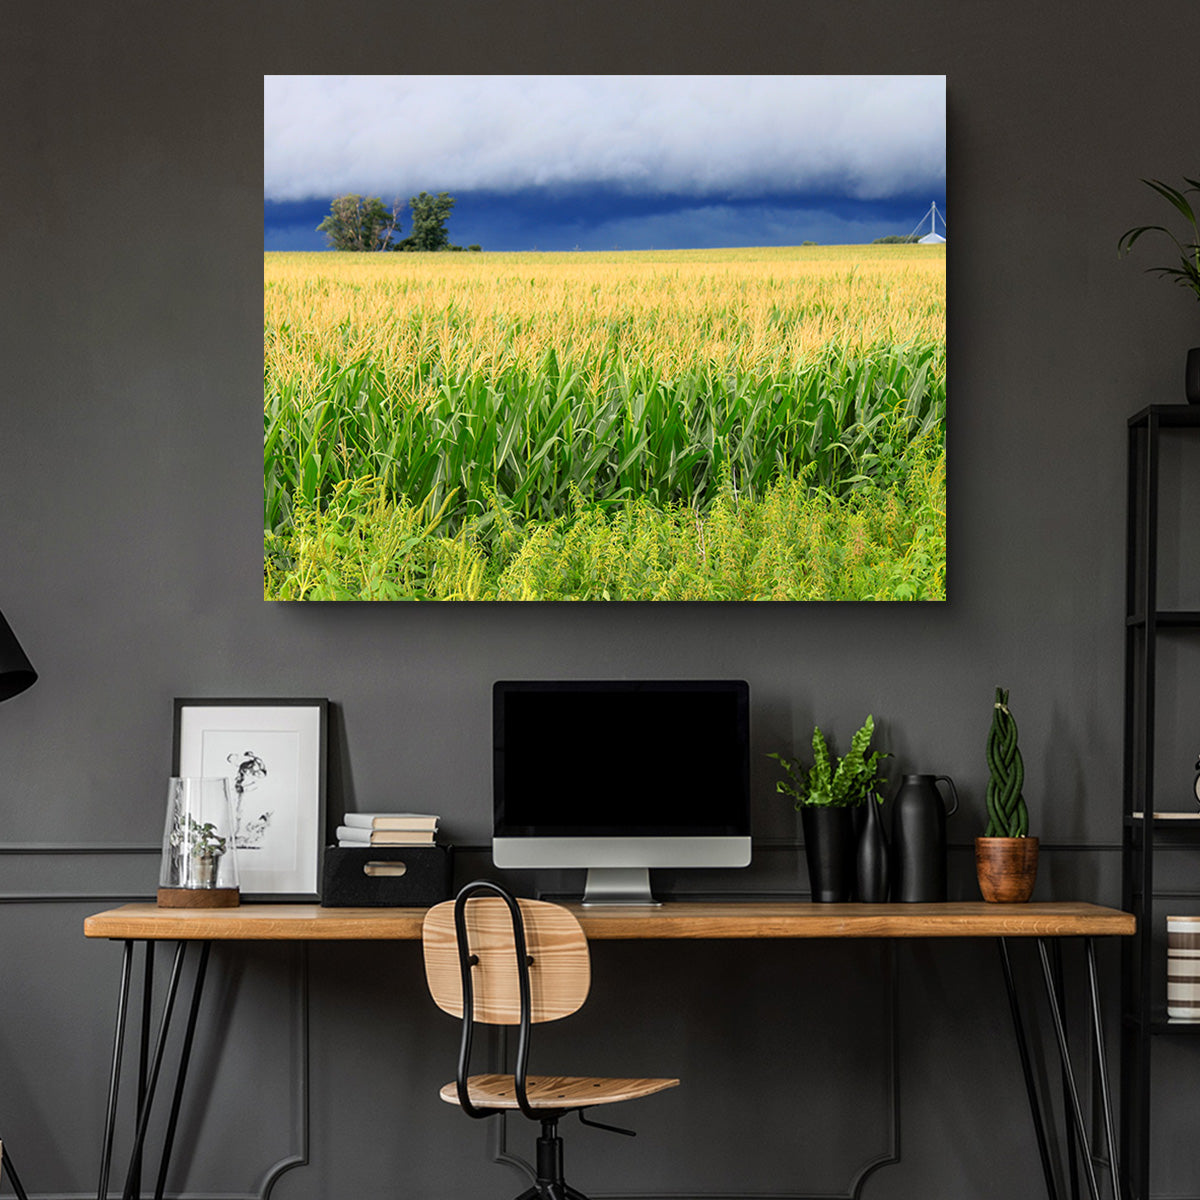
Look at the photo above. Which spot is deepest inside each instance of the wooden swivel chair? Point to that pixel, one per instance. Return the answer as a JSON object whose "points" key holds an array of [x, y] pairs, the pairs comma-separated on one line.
{"points": [[502, 961]]}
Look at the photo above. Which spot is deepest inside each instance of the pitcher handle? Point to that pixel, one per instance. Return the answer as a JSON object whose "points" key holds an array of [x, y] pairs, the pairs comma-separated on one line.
{"points": [[953, 791]]}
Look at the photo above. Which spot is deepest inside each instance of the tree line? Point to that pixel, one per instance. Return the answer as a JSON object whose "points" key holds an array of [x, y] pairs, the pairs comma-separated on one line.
{"points": [[366, 223]]}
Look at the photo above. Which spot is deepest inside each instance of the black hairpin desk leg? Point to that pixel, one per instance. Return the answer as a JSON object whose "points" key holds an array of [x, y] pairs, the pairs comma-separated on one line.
{"points": [[135, 1167], [1035, 1108], [7, 1169], [1110, 1132], [185, 1055], [148, 1071], [1076, 1130], [1057, 981], [114, 1074], [1097, 1029]]}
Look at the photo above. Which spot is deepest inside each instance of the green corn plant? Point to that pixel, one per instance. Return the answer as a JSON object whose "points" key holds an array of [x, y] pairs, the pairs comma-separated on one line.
{"points": [[531, 438], [1007, 816], [487, 388]]}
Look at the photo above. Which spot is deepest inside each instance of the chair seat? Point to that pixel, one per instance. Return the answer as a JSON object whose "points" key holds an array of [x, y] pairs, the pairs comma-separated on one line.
{"points": [[554, 1091]]}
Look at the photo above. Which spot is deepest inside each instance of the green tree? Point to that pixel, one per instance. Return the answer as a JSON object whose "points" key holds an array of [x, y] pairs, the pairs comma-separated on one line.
{"points": [[429, 217], [896, 239], [360, 223]]}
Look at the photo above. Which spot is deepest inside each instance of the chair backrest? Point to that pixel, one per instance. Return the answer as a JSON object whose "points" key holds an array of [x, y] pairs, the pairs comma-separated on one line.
{"points": [[559, 973]]}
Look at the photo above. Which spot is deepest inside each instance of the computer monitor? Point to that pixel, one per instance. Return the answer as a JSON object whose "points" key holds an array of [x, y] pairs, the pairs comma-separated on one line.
{"points": [[619, 776]]}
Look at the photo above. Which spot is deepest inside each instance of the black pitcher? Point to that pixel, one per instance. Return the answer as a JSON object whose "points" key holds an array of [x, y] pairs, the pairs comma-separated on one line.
{"points": [[919, 839]]}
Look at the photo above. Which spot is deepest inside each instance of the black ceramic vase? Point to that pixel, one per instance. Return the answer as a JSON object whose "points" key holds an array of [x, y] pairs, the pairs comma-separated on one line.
{"points": [[1193, 376], [872, 856], [829, 850]]}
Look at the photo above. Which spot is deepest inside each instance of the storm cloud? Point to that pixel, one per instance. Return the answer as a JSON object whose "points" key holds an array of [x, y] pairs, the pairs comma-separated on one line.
{"points": [[729, 137]]}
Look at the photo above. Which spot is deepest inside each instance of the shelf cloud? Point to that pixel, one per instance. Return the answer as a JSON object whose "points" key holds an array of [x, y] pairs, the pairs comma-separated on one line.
{"points": [[725, 137]]}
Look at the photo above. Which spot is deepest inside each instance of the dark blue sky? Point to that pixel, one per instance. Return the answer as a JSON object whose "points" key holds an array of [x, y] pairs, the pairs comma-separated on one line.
{"points": [[605, 219], [555, 162]]}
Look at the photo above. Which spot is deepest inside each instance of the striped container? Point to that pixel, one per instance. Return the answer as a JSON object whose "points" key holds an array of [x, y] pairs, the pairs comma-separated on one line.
{"points": [[1183, 968]]}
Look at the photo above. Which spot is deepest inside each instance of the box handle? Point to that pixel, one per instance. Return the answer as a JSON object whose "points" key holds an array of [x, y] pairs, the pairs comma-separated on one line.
{"points": [[384, 868]]}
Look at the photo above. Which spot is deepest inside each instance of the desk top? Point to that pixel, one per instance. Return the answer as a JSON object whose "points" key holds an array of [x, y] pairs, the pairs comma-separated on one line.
{"points": [[675, 919]]}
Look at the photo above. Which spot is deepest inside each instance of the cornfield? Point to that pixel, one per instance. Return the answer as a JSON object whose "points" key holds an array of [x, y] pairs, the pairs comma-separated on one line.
{"points": [[493, 390]]}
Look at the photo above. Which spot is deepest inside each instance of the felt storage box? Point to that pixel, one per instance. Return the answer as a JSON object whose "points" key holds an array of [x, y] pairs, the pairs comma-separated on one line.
{"points": [[387, 876]]}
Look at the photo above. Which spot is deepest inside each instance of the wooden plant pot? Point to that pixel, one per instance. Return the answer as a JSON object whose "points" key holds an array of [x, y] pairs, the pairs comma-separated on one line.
{"points": [[1006, 868]]}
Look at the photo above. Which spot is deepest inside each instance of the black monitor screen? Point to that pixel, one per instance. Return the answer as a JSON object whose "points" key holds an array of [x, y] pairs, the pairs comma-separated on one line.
{"points": [[619, 758]]}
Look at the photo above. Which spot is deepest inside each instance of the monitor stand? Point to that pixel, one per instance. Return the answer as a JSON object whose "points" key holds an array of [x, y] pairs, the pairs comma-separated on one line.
{"points": [[618, 885]]}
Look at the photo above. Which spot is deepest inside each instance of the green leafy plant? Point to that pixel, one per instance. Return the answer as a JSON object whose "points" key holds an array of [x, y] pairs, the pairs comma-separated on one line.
{"points": [[201, 840], [1007, 816], [1187, 273], [834, 782]]}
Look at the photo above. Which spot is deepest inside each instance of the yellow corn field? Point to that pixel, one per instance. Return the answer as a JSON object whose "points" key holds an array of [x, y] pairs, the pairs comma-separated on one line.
{"points": [[474, 384]]}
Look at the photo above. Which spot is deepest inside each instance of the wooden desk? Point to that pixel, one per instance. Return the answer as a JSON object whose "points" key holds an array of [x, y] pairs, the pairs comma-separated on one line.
{"points": [[747, 920], [678, 919]]}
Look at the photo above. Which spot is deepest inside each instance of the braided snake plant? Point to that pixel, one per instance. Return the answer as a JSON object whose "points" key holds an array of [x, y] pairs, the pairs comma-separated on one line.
{"points": [[1006, 774]]}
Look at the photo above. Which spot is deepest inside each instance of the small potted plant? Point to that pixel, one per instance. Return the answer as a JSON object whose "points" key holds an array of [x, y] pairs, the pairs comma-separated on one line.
{"points": [[826, 795], [1187, 272], [203, 847], [1006, 856]]}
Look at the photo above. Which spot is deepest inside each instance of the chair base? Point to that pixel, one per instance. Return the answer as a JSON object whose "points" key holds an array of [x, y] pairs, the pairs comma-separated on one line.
{"points": [[550, 1184], [548, 1193]]}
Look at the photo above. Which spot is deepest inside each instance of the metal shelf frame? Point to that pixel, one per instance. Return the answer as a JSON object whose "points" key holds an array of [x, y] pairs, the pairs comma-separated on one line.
{"points": [[1143, 1019]]}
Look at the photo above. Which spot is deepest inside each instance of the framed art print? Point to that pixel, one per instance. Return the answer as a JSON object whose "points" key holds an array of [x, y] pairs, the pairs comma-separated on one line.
{"points": [[273, 754], [605, 337]]}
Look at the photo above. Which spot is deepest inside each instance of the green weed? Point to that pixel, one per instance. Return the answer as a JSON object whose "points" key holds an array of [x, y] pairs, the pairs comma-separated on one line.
{"points": [[793, 543]]}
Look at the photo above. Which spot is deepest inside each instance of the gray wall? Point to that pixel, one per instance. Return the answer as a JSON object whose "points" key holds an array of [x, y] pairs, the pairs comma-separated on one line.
{"points": [[130, 552]]}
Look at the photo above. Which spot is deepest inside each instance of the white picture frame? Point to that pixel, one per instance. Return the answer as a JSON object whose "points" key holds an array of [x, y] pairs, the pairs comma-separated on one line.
{"points": [[272, 751]]}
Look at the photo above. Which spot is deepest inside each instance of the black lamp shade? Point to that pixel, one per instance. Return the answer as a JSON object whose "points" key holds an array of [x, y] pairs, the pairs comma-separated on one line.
{"points": [[16, 671]]}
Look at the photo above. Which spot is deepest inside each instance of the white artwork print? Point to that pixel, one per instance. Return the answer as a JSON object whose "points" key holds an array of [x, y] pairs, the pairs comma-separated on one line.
{"points": [[263, 769], [272, 756], [248, 832]]}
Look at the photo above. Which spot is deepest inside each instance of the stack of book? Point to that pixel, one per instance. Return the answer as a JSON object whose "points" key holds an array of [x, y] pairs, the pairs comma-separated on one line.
{"points": [[387, 829]]}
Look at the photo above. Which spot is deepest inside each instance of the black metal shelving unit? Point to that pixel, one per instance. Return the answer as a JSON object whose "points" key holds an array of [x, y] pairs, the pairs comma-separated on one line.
{"points": [[1143, 959]]}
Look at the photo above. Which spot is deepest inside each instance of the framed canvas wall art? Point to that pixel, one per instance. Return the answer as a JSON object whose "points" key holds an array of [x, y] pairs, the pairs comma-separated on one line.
{"points": [[605, 338]]}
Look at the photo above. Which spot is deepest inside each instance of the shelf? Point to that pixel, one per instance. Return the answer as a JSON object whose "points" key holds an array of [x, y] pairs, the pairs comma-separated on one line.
{"points": [[1168, 618], [1170, 416], [1151, 629], [1161, 1024]]}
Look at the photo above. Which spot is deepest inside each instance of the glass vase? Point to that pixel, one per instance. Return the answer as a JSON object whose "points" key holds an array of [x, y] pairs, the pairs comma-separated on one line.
{"points": [[199, 864]]}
